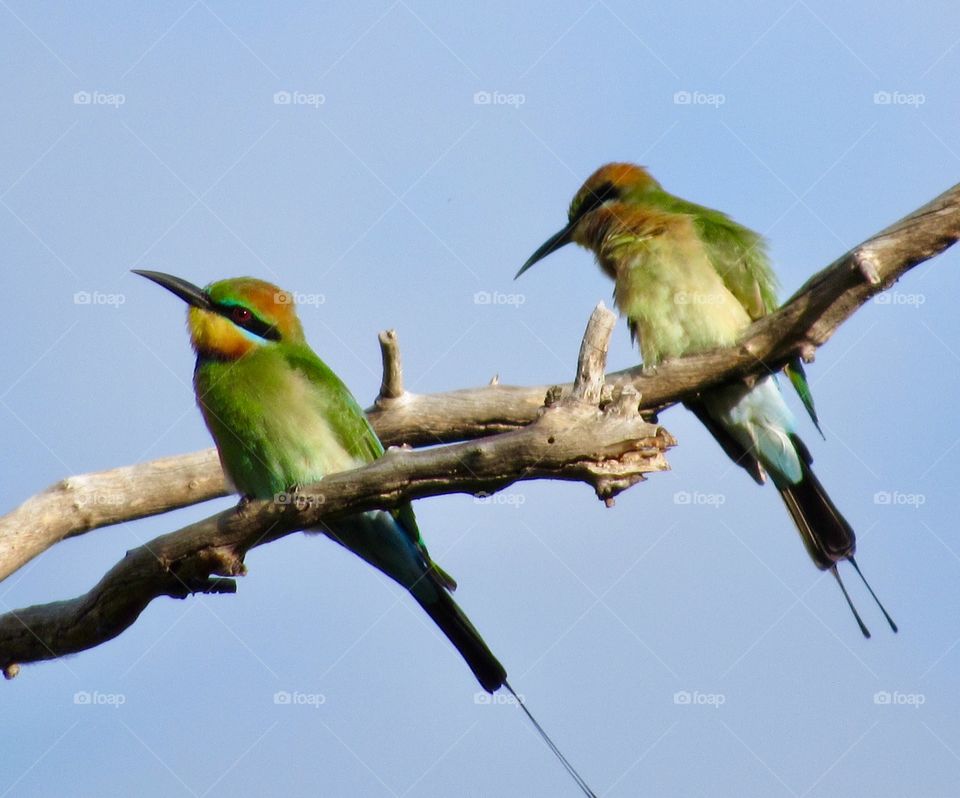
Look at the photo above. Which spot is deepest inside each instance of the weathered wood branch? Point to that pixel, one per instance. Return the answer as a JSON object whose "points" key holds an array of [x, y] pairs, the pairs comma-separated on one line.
{"points": [[806, 321], [610, 449], [592, 360], [78, 504], [572, 439], [391, 386]]}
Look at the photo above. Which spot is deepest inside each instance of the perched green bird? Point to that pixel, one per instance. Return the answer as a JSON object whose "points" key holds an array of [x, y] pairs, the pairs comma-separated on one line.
{"points": [[689, 278], [281, 419]]}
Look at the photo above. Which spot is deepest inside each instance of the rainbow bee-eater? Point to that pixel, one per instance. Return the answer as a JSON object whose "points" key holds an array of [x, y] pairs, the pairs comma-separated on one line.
{"points": [[689, 278], [281, 419]]}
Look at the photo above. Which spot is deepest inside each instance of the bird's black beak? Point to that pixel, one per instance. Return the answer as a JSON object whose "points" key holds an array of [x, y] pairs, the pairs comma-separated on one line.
{"points": [[555, 241], [188, 292]]}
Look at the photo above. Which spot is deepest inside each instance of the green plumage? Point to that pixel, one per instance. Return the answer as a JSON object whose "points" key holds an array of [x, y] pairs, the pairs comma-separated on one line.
{"points": [[739, 255], [298, 423], [282, 419], [688, 278], [256, 407]]}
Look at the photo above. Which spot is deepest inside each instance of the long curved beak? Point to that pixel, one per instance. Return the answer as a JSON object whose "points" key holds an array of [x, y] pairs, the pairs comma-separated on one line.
{"points": [[553, 243], [188, 292]]}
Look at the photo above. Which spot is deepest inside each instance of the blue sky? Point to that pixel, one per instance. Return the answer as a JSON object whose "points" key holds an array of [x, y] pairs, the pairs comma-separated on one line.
{"points": [[393, 161]]}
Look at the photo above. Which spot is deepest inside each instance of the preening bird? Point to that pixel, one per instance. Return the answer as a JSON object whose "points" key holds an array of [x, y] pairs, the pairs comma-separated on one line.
{"points": [[688, 278], [281, 419]]}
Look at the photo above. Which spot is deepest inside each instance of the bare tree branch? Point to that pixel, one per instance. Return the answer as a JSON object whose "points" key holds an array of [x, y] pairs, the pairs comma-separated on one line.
{"points": [[592, 361], [78, 504], [391, 387], [572, 439], [806, 321]]}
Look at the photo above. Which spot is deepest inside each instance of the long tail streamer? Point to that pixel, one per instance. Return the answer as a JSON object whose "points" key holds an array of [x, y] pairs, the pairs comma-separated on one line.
{"points": [[552, 745], [883, 609]]}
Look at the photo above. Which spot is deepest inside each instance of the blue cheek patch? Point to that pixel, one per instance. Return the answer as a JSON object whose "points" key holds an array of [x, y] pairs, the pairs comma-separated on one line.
{"points": [[252, 336]]}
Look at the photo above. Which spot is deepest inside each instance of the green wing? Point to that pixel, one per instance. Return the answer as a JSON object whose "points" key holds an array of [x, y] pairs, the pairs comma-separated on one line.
{"points": [[741, 259], [337, 404], [798, 379], [355, 434], [737, 253]]}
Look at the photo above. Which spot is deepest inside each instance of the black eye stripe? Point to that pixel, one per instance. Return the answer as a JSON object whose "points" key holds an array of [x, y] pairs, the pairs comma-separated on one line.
{"points": [[595, 199], [604, 192], [252, 323]]}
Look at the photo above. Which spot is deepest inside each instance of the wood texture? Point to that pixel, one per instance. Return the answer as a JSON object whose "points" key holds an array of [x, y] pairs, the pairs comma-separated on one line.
{"points": [[610, 448], [573, 439]]}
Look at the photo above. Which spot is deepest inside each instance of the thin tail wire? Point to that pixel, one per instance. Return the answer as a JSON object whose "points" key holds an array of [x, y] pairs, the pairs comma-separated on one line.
{"points": [[886, 614], [863, 626], [552, 746]]}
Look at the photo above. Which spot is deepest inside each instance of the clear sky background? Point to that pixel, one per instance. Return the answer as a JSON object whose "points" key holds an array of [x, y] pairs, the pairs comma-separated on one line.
{"points": [[388, 189]]}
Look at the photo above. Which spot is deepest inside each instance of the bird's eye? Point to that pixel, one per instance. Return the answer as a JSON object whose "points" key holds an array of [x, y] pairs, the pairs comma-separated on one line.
{"points": [[241, 315]]}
